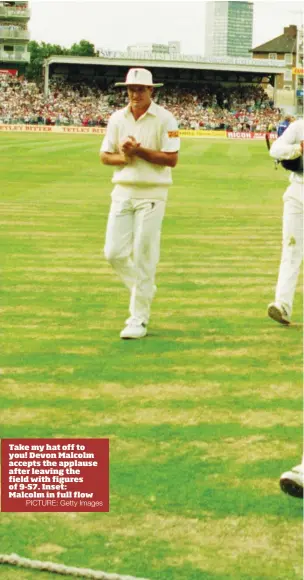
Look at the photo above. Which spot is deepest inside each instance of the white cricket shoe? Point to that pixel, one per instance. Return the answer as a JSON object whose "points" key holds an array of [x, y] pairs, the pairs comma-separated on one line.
{"points": [[291, 482], [278, 312], [134, 331]]}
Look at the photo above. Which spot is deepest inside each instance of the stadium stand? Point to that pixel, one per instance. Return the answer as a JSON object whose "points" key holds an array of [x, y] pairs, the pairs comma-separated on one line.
{"points": [[239, 108]]}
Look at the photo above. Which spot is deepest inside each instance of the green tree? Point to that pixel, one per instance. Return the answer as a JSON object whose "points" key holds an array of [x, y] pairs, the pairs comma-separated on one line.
{"points": [[83, 48], [40, 51]]}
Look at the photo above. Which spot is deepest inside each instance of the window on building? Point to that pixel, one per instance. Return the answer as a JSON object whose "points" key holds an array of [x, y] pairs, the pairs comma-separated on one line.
{"points": [[8, 48], [272, 55], [288, 75], [288, 58]]}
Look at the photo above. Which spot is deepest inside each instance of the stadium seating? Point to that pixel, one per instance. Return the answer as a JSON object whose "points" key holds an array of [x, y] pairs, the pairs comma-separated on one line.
{"points": [[238, 108]]}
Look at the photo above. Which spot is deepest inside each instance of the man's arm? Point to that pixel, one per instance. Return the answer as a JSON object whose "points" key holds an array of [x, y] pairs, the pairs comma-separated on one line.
{"points": [[111, 152], [286, 146], [151, 155], [113, 158], [170, 143]]}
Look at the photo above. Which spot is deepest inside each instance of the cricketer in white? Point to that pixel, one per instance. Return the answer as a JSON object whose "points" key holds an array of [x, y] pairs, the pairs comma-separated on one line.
{"points": [[142, 139], [289, 146]]}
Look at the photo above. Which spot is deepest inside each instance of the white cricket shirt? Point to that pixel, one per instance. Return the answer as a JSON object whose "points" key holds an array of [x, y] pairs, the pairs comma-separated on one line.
{"points": [[288, 146], [157, 129]]}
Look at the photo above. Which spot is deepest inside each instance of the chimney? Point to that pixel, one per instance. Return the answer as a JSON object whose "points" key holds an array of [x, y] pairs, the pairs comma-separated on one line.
{"points": [[290, 31]]}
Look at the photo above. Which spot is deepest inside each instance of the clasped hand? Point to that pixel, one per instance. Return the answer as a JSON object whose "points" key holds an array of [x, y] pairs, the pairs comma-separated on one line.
{"points": [[129, 146]]}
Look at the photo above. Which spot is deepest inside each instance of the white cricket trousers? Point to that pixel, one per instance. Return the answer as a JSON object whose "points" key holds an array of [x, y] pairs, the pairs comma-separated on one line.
{"points": [[292, 250], [132, 247]]}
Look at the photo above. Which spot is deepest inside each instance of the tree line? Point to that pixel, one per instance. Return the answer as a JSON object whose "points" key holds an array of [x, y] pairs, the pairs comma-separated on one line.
{"points": [[40, 51]]}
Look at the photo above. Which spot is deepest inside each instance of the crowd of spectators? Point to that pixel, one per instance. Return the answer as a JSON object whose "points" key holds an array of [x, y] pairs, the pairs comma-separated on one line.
{"points": [[237, 108]]}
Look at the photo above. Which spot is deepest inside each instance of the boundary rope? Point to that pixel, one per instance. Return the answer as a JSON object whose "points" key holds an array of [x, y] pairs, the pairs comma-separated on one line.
{"points": [[15, 560]]}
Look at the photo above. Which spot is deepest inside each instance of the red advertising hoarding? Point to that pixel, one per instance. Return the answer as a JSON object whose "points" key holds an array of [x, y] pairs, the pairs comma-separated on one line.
{"points": [[9, 71]]}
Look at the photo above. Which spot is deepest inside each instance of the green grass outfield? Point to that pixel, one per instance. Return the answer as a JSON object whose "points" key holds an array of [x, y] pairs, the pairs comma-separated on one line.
{"points": [[204, 414]]}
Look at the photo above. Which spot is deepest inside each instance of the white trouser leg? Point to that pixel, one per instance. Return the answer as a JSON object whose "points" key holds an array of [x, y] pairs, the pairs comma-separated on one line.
{"points": [[148, 219], [292, 251], [119, 241]]}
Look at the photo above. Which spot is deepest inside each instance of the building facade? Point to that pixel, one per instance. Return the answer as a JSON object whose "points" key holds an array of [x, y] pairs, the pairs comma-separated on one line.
{"points": [[14, 35], [228, 28], [173, 47], [288, 47]]}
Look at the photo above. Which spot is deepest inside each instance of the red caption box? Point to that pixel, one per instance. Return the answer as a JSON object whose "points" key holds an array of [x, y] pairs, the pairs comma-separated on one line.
{"points": [[55, 475]]}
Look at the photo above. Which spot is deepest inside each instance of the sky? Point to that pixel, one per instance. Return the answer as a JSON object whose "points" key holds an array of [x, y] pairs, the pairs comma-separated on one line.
{"points": [[115, 24]]}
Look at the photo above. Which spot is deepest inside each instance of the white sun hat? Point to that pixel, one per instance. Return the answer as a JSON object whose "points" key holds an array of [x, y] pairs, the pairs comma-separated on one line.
{"points": [[139, 76]]}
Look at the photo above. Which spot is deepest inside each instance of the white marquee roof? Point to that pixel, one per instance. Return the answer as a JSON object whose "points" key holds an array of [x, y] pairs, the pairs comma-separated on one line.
{"points": [[253, 65]]}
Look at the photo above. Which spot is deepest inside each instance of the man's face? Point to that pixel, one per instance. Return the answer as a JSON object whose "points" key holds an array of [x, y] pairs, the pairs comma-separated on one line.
{"points": [[139, 96]]}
